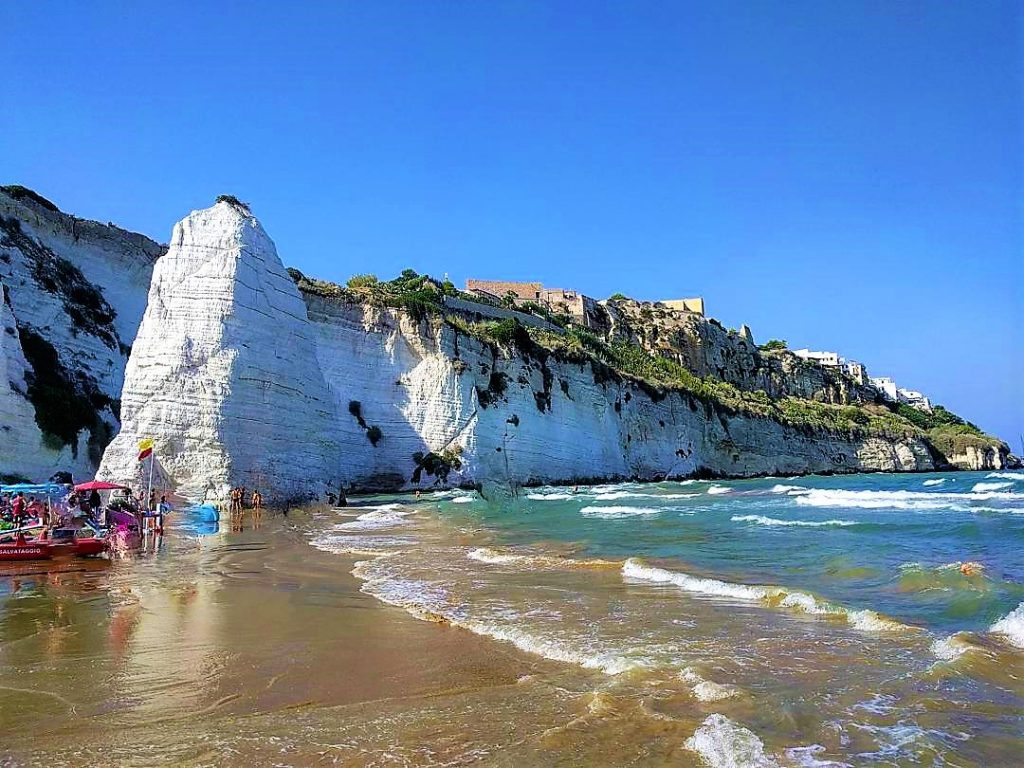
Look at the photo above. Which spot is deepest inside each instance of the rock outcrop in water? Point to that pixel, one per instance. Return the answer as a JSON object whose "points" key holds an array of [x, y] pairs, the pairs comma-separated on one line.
{"points": [[223, 374], [243, 377], [74, 293]]}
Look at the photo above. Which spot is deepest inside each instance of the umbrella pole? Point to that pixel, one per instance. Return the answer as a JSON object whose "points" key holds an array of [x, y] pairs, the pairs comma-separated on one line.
{"points": [[149, 492]]}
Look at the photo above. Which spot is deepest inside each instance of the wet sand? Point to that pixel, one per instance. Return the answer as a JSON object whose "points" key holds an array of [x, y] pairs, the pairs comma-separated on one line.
{"points": [[254, 648]]}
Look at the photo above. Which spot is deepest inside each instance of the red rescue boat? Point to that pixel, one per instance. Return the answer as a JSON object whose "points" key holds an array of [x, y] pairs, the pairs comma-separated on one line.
{"points": [[23, 549]]}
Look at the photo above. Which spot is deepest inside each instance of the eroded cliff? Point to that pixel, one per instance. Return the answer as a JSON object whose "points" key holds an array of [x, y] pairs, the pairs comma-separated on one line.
{"points": [[244, 374], [75, 291]]}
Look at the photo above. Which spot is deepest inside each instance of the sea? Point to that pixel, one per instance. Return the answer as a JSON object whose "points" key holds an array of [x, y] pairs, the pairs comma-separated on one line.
{"points": [[800, 621]]}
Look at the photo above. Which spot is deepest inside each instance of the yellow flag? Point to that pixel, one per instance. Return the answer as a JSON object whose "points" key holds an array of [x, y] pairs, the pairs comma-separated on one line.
{"points": [[146, 442]]}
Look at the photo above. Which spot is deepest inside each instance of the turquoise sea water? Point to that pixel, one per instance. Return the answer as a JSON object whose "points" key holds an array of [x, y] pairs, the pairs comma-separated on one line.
{"points": [[891, 543], [852, 620]]}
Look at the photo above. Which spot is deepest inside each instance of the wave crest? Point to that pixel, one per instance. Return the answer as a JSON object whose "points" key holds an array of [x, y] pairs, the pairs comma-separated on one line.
{"points": [[497, 557], [762, 520], [721, 743], [771, 597], [1011, 626], [617, 512]]}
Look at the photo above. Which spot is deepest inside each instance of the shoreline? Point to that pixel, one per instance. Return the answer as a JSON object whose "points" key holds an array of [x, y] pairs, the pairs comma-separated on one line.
{"points": [[148, 661]]}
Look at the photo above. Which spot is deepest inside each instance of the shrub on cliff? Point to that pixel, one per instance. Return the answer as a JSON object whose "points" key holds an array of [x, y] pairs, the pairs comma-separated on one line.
{"points": [[362, 281], [232, 200], [438, 465], [773, 345]]}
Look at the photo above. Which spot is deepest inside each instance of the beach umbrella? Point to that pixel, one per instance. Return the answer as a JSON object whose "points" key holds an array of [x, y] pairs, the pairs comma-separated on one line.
{"points": [[100, 485]]}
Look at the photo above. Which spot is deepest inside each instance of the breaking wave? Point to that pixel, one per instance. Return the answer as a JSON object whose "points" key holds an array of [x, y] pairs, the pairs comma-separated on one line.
{"points": [[384, 516], [615, 512], [771, 597], [721, 743], [1018, 476], [549, 496], [717, 490], [986, 487], [706, 690], [911, 500], [1011, 626], [350, 544], [937, 481], [613, 495], [497, 557], [428, 602], [950, 648], [762, 520], [792, 490]]}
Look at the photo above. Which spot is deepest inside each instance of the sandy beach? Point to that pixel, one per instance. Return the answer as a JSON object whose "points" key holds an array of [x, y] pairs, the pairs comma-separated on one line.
{"points": [[253, 648]]}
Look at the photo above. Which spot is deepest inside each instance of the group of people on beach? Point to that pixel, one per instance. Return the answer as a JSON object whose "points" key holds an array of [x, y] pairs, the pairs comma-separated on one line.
{"points": [[238, 506]]}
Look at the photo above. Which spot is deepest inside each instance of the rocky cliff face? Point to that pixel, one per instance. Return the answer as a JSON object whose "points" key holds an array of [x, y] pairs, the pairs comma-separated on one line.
{"points": [[223, 374], [706, 348], [502, 415], [240, 378], [75, 292]]}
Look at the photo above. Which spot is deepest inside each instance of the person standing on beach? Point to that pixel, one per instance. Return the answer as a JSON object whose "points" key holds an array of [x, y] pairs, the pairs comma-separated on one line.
{"points": [[257, 506]]}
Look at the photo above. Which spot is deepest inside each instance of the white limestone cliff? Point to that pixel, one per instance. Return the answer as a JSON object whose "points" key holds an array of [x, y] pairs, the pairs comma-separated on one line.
{"points": [[223, 374], [24, 452], [75, 293], [420, 384]]}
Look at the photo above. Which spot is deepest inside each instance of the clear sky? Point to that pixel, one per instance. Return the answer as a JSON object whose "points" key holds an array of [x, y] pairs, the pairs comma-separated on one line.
{"points": [[845, 176]]}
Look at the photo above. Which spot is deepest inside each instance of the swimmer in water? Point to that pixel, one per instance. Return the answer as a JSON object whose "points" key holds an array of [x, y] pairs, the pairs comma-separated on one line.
{"points": [[971, 569]]}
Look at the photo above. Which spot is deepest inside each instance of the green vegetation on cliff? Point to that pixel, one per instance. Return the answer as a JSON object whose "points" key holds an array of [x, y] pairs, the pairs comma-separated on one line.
{"points": [[65, 402], [946, 431], [618, 361]]}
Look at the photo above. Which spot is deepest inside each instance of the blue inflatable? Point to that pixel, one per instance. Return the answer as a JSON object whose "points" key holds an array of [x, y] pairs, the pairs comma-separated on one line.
{"points": [[207, 513]]}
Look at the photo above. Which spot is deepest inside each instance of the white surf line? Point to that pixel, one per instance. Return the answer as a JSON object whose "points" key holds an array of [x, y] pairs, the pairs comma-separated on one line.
{"points": [[773, 521], [771, 597]]}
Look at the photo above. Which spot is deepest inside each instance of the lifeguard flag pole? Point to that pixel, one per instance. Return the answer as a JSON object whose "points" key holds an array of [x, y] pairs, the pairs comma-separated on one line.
{"points": [[146, 450]]}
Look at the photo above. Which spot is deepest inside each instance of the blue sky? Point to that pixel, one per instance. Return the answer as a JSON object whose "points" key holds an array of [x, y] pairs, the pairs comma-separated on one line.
{"points": [[845, 176]]}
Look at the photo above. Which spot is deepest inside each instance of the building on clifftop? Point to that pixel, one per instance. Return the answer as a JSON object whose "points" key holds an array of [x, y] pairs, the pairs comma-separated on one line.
{"points": [[694, 305], [557, 300]]}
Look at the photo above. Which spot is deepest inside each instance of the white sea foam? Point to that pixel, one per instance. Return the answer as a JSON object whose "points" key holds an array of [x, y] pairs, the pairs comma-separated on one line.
{"points": [[950, 648], [936, 481], [986, 487], [706, 690], [615, 512], [498, 557], [463, 499], [349, 544], [772, 597], [1011, 626], [611, 663], [717, 490], [549, 496], [721, 743], [911, 500], [384, 516], [614, 495], [792, 490], [762, 520], [429, 602], [806, 757], [1017, 476]]}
